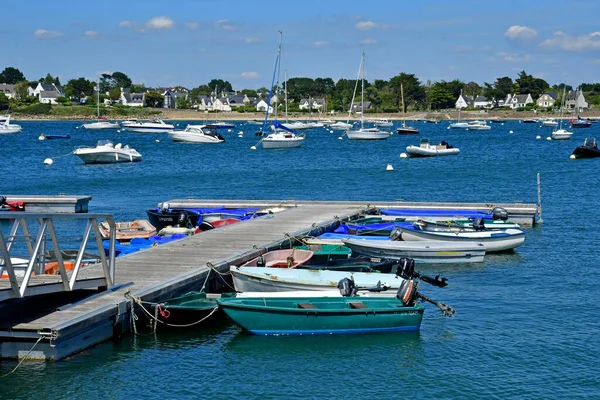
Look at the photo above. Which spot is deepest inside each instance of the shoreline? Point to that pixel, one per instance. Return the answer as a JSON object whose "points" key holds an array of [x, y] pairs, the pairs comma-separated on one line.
{"points": [[190, 115]]}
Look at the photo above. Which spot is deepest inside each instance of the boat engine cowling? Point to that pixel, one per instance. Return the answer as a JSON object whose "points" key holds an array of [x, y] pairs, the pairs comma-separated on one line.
{"points": [[347, 287], [407, 292], [406, 268], [2, 200], [479, 224], [396, 234], [183, 219], [499, 213]]}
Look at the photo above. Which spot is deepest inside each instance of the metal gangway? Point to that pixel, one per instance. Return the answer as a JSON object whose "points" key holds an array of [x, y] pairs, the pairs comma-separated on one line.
{"points": [[35, 236]]}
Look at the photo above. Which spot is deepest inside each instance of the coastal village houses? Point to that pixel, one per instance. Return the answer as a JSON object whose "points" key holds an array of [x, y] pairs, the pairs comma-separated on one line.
{"points": [[171, 97], [517, 100], [261, 105], [356, 107], [313, 104], [131, 99], [546, 100], [46, 92], [482, 102], [576, 100], [8, 90], [464, 101]]}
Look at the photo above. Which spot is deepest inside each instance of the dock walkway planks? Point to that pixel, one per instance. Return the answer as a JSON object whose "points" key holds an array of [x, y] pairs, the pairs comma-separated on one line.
{"points": [[164, 271]]}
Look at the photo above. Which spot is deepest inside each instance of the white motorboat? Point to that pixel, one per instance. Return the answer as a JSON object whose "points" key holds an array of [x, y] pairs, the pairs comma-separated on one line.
{"points": [[494, 240], [255, 122], [197, 134], [266, 279], [130, 121], [7, 127], [3, 118], [550, 122], [340, 126], [102, 125], [296, 125], [365, 133], [425, 149], [383, 122], [155, 126], [478, 126], [106, 152], [560, 133], [425, 252], [459, 125]]}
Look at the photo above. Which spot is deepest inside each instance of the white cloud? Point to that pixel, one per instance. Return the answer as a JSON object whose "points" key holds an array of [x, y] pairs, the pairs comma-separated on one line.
{"points": [[224, 24], [367, 41], [250, 75], [91, 34], [509, 57], [523, 33], [250, 40], [321, 44], [46, 34], [126, 24], [562, 41], [192, 25], [365, 25], [160, 23]]}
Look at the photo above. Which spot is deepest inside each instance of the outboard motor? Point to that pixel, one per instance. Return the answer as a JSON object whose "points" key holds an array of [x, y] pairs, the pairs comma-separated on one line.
{"points": [[479, 224], [182, 219], [260, 261], [406, 268], [165, 208], [407, 292], [347, 287], [499, 213], [2, 200], [396, 234]]}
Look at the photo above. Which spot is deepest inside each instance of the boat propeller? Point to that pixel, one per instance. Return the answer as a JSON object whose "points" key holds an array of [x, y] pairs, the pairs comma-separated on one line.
{"points": [[406, 270]]}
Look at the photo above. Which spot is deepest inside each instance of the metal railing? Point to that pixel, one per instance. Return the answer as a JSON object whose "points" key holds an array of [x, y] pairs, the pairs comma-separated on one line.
{"points": [[35, 245]]}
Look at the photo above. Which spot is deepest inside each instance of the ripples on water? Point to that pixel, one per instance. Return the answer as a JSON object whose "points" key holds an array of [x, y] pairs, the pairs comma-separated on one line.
{"points": [[526, 323]]}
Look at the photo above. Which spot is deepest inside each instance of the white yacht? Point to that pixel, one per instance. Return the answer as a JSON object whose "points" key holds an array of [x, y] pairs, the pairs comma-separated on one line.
{"points": [[197, 134], [155, 126], [282, 138], [106, 152], [101, 125], [340, 126], [550, 122], [478, 126], [384, 122], [296, 125], [7, 127]]}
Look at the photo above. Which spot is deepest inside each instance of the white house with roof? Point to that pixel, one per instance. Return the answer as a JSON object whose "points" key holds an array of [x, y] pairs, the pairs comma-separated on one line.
{"points": [[310, 103], [482, 102], [261, 105], [356, 107], [546, 100], [131, 99], [47, 92], [171, 97], [517, 100], [464, 101], [8, 90], [576, 100], [221, 104]]}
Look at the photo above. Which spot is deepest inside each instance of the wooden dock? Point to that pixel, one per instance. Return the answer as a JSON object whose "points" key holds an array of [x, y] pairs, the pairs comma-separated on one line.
{"points": [[48, 204], [153, 275]]}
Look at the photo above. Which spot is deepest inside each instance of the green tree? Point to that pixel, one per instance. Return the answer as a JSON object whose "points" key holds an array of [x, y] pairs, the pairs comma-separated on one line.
{"points": [[183, 103], [79, 88], [48, 80], [472, 89], [440, 97], [21, 91], [114, 94], [300, 88], [249, 93], [106, 83], [202, 90], [121, 80], [154, 99], [11, 76], [220, 85], [527, 84], [414, 92], [4, 101]]}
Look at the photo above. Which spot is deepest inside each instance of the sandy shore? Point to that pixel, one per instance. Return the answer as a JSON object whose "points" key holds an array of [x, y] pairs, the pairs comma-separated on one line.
{"points": [[171, 114]]}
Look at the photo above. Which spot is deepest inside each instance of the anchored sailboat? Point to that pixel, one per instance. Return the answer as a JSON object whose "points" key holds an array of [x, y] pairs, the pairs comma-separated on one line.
{"points": [[405, 129]]}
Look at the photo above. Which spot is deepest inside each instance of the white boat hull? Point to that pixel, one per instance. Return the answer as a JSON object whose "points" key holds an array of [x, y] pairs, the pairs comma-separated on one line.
{"points": [[101, 125], [494, 240], [141, 129], [108, 157], [367, 134], [340, 126], [417, 151], [180, 136], [423, 252], [459, 125], [264, 279], [282, 142], [10, 128], [561, 134]]}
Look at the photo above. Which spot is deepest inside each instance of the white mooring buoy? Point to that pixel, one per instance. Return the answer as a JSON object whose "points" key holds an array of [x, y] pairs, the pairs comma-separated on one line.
{"points": [[538, 137], [548, 138], [157, 141], [48, 161], [253, 148], [389, 167], [572, 156], [403, 155], [510, 132]]}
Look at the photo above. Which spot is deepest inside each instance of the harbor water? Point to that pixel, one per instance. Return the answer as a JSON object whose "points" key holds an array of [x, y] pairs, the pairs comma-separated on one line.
{"points": [[526, 324]]}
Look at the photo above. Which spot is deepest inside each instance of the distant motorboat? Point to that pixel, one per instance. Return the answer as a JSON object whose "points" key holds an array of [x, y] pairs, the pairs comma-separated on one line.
{"points": [[588, 150], [296, 125], [7, 127], [580, 123], [383, 122], [101, 125], [478, 126], [550, 122], [106, 152], [197, 134], [459, 125], [425, 149], [222, 125], [530, 121], [155, 126], [340, 126]]}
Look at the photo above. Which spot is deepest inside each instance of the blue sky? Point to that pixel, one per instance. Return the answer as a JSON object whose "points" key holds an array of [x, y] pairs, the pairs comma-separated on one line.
{"points": [[190, 42]]}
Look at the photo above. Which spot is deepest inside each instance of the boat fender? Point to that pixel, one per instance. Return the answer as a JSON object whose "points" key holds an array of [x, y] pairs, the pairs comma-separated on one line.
{"points": [[499, 213], [396, 234], [478, 224], [406, 268], [407, 292], [347, 287]]}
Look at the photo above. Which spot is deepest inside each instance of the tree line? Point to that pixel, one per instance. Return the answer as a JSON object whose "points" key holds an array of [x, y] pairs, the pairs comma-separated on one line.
{"points": [[384, 95]]}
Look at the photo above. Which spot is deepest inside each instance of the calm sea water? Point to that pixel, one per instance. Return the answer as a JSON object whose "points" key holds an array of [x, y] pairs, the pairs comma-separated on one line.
{"points": [[526, 325]]}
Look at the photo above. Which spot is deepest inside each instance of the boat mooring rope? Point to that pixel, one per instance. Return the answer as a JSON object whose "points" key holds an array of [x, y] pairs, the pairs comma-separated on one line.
{"points": [[24, 358]]}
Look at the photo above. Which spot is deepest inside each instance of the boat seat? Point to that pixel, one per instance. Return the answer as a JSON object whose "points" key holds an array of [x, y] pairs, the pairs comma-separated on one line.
{"points": [[307, 306], [357, 304]]}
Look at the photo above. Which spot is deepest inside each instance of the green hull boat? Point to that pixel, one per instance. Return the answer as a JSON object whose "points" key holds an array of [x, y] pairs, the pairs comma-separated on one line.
{"points": [[323, 315], [191, 309], [326, 252]]}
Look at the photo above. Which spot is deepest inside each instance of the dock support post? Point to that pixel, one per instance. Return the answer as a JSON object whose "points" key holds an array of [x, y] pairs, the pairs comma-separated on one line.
{"points": [[539, 193]]}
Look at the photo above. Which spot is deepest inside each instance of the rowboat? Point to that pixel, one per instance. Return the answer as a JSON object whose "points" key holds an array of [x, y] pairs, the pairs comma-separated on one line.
{"points": [[358, 263], [265, 279], [464, 224], [437, 251], [286, 258], [494, 240], [191, 309], [125, 231], [322, 315], [326, 252]]}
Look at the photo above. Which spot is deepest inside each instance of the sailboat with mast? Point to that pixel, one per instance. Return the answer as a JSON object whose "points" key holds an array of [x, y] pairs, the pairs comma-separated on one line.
{"points": [[364, 133], [560, 133], [297, 125], [458, 124], [405, 129], [100, 124], [281, 136]]}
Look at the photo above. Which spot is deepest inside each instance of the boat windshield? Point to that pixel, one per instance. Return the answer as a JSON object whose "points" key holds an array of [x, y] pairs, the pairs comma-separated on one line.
{"points": [[589, 142], [104, 142]]}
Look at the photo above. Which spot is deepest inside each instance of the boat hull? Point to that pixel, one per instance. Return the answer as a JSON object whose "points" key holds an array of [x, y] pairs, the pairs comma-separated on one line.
{"points": [[193, 138], [160, 219], [282, 143], [407, 130], [101, 125], [422, 252], [367, 135], [493, 241], [328, 315], [417, 151], [108, 157]]}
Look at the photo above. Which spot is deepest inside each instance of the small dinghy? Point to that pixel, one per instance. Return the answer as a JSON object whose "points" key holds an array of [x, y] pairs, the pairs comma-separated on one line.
{"points": [[425, 149], [125, 231], [286, 258], [588, 150]]}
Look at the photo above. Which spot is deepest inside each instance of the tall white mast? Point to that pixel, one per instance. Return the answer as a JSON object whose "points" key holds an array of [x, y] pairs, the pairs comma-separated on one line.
{"points": [[362, 91], [285, 92], [278, 70]]}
